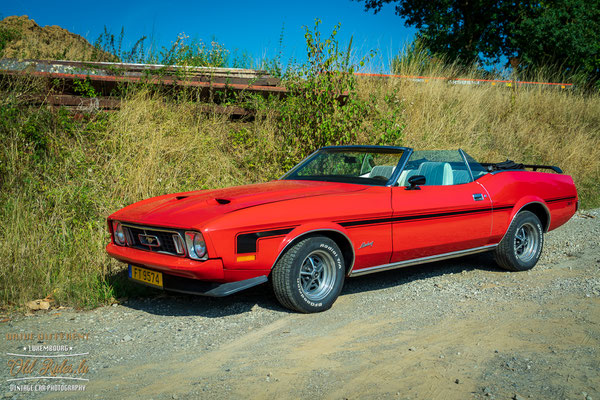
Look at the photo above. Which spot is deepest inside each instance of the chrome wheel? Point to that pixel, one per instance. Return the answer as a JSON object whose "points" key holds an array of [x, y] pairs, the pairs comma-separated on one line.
{"points": [[317, 275], [526, 242]]}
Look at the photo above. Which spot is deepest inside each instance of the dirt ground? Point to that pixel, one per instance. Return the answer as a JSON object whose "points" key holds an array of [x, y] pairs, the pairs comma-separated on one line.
{"points": [[460, 329]]}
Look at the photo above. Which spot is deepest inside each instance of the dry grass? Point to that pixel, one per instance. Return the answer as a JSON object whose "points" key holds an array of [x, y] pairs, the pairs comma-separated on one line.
{"points": [[530, 124], [54, 202], [54, 209]]}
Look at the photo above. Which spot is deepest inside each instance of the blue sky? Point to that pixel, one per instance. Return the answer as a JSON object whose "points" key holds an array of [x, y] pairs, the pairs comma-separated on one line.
{"points": [[253, 27]]}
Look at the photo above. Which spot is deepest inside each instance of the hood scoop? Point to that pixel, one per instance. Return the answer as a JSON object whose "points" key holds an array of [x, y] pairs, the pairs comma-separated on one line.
{"points": [[181, 197], [222, 201]]}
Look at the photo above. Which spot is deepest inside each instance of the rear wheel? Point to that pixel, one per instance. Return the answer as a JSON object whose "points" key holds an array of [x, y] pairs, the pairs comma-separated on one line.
{"points": [[310, 275], [521, 247]]}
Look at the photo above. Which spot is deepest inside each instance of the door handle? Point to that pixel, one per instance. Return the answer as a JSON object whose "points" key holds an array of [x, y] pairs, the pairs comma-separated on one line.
{"points": [[479, 196]]}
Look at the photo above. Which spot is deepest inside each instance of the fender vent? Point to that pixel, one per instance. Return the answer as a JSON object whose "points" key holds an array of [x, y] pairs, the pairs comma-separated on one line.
{"points": [[223, 201]]}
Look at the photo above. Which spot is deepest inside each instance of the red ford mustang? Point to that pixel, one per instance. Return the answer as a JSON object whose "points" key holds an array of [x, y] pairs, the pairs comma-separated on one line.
{"points": [[344, 211]]}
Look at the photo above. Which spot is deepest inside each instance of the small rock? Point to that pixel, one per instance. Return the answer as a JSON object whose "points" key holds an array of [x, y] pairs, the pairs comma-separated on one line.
{"points": [[40, 305], [411, 349], [441, 356], [517, 397], [588, 397], [175, 397], [114, 304], [457, 381], [487, 391], [127, 338]]}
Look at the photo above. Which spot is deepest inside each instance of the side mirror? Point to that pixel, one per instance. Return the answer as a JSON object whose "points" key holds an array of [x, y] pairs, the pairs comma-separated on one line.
{"points": [[415, 181]]}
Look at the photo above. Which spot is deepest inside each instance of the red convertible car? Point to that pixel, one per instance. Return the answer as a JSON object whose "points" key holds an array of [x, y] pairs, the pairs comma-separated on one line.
{"points": [[343, 211]]}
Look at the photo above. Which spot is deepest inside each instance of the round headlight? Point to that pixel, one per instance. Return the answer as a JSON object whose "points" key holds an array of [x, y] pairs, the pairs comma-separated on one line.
{"points": [[199, 245], [195, 245], [119, 233]]}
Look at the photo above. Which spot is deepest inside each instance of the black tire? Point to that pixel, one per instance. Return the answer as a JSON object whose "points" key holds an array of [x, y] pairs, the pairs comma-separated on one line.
{"points": [[310, 275], [521, 247]]}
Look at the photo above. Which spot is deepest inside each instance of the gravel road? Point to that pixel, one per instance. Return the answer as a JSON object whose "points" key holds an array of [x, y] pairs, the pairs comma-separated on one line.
{"points": [[459, 329]]}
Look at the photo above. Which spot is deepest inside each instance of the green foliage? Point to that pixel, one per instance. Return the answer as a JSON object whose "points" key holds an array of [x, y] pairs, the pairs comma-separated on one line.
{"points": [[7, 36], [316, 113], [183, 51], [84, 88], [560, 33], [107, 42], [275, 65]]}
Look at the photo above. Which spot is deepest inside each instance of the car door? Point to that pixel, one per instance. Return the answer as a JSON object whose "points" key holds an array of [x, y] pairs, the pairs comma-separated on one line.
{"points": [[450, 213]]}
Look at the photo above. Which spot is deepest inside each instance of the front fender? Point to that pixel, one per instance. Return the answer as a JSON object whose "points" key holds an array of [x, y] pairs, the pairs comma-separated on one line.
{"points": [[327, 229]]}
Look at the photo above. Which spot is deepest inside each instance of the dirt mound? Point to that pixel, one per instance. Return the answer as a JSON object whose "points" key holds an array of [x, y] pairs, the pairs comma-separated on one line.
{"points": [[23, 38]]}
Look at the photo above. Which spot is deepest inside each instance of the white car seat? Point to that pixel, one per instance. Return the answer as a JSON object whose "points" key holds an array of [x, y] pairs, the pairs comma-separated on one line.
{"points": [[436, 173], [382, 170]]}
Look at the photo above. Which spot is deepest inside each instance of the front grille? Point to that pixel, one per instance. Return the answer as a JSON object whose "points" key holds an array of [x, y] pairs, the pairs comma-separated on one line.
{"points": [[139, 237]]}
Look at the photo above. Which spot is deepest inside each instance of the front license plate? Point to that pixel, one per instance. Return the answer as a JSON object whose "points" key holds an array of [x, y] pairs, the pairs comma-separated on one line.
{"points": [[145, 275]]}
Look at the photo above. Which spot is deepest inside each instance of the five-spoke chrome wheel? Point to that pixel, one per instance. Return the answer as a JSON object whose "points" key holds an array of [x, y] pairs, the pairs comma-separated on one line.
{"points": [[310, 274], [521, 247], [317, 275], [526, 242]]}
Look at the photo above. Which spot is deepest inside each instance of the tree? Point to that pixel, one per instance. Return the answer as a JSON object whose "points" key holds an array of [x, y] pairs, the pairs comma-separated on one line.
{"points": [[558, 33]]}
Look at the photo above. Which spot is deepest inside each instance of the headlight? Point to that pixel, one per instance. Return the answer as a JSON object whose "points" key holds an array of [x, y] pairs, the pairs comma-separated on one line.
{"points": [[118, 233], [195, 245]]}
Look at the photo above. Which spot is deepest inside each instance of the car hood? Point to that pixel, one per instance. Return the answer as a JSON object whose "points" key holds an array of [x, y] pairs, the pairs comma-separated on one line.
{"points": [[192, 209]]}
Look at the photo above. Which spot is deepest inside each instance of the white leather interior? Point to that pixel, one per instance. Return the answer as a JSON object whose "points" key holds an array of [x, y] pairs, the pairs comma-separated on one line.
{"points": [[436, 173], [382, 170]]}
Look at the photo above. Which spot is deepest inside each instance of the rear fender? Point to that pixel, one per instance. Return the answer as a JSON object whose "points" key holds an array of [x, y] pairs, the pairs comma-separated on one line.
{"points": [[530, 203], [536, 205]]}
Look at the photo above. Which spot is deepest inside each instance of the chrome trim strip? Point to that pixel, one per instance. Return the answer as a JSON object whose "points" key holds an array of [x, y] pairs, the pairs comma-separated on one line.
{"points": [[319, 230], [422, 260], [152, 228], [149, 228], [179, 247], [462, 153]]}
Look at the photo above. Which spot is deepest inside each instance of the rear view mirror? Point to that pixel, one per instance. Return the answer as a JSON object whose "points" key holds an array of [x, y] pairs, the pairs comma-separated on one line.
{"points": [[415, 181]]}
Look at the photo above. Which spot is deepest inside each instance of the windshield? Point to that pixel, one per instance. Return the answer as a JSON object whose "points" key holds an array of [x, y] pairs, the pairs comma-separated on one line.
{"points": [[369, 166]]}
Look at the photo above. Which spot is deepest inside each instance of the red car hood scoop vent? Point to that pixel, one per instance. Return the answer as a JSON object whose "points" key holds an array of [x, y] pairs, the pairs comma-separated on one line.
{"points": [[187, 209]]}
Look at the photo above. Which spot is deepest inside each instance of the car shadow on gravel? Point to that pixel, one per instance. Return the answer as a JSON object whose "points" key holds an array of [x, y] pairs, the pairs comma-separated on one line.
{"points": [[181, 305], [401, 276], [175, 304]]}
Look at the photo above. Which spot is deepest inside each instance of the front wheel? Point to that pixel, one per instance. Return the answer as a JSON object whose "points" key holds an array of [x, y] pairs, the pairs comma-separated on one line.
{"points": [[310, 275], [521, 247]]}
